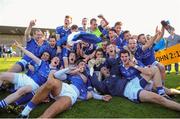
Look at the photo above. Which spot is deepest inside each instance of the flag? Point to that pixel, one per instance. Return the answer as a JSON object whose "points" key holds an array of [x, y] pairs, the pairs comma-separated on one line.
{"points": [[83, 36]]}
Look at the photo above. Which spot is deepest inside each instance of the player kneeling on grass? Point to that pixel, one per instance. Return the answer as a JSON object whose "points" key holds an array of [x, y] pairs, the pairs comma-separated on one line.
{"points": [[23, 83], [64, 94]]}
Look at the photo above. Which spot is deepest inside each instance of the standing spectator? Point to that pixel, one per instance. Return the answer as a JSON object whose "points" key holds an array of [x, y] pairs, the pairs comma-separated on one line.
{"points": [[46, 35], [1, 51], [173, 39], [4, 52]]}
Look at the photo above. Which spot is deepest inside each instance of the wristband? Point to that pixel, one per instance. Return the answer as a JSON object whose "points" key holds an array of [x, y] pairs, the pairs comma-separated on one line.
{"points": [[136, 66]]}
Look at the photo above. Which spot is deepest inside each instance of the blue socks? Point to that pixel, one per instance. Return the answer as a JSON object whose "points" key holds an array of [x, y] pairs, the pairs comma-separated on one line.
{"points": [[30, 106], [3, 104], [24, 99], [160, 90]]}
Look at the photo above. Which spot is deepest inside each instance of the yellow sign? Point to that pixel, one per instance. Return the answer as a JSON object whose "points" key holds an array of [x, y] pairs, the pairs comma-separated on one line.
{"points": [[169, 55]]}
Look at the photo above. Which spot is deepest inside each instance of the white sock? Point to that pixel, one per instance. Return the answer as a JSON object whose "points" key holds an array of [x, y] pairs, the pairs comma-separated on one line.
{"points": [[26, 111]]}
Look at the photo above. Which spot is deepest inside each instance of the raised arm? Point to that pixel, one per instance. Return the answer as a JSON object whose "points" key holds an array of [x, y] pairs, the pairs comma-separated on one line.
{"points": [[31, 55], [28, 30], [150, 42], [161, 34], [103, 18]]}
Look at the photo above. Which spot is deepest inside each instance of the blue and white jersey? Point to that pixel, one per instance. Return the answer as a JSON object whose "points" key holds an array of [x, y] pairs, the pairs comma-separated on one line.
{"points": [[77, 81], [90, 49], [29, 72], [41, 75], [34, 48], [148, 56], [121, 43], [64, 54], [82, 29], [51, 50], [62, 31], [100, 28], [105, 33], [62, 41], [121, 35], [138, 53], [130, 72]]}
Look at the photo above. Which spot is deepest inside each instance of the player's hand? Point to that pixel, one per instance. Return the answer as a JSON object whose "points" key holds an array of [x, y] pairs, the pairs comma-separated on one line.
{"points": [[72, 67], [107, 98], [131, 63], [31, 67], [100, 16], [32, 23]]}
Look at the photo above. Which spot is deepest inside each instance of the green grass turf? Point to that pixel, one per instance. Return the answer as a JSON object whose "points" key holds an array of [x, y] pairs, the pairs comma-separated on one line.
{"points": [[117, 107]]}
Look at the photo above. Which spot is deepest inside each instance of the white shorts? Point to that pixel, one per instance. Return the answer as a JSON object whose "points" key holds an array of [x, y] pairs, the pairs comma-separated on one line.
{"points": [[132, 90], [21, 80], [68, 90]]}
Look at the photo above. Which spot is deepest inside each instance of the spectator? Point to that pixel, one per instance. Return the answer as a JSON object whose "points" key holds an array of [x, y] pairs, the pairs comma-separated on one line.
{"points": [[173, 39], [1, 49]]}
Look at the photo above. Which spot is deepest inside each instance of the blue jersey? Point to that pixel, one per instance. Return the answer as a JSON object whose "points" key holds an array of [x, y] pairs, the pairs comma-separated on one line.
{"points": [[112, 85], [64, 54], [138, 53], [34, 48], [90, 49], [121, 43], [41, 75], [82, 29], [77, 81], [62, 41], [131, 72], [148, 56], [121, 35], [105, 33], [29, 72], [100, 28], [113, 65], [51, 50], [62, 31]]}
